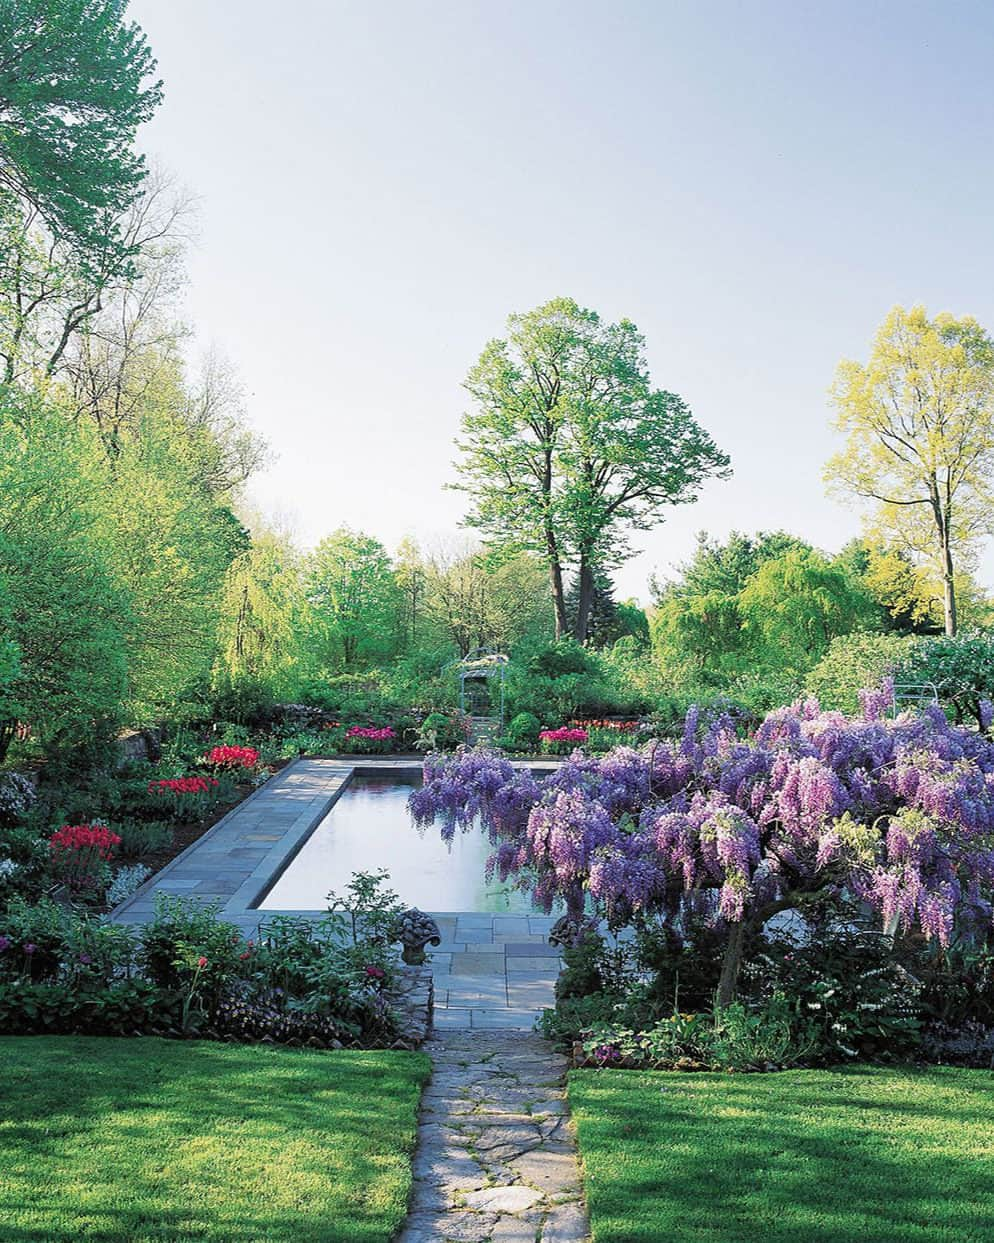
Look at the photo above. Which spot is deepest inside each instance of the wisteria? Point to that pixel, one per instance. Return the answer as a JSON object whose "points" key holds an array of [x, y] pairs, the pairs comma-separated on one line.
{"points": [[897, 811]]}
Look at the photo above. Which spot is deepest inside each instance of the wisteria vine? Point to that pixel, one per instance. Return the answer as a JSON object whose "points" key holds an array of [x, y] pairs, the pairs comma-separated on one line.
{"points": [[899, 812]]}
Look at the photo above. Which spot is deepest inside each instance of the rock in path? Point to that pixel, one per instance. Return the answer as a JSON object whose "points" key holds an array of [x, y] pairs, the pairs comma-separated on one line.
{"points": [[496, 1159]]}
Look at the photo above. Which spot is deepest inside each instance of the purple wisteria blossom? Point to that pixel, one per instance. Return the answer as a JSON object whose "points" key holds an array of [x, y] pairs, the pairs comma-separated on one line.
{"points": [[896, 810]]}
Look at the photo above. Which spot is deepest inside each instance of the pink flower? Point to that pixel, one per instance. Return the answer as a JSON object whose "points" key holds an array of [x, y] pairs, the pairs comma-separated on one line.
{"points": [[201, 961]]}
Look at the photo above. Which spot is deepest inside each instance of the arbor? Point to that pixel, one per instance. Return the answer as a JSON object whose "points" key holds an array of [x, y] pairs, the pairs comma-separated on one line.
{"points": [[568, 446], [919, 422], [73, 91]]}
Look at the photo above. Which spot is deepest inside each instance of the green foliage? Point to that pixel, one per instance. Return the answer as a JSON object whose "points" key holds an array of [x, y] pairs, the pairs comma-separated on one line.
{"points": [[854, 662], [731, 1039], [961, 669], [796, 604], [142, 837], [568, 445], [354, 600], [73, 92], [522, 733]]}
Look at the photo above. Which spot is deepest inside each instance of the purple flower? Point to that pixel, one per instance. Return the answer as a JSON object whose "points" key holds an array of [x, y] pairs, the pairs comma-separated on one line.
{"points": [[85, 959], [30, 948], [4, 943]]}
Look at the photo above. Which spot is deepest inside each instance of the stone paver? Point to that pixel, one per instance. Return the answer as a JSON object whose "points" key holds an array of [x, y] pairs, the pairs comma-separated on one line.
{"points": [[496, 1159]]}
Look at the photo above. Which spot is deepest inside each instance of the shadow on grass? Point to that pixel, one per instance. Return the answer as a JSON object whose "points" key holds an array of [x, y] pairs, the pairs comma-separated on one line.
{"points": [[155, 1140], [873, 1156]]}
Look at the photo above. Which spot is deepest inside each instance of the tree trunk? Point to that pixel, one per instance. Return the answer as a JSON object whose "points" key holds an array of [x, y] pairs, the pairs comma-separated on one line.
{"points": [[730, 964], [586, 600], [948, 585], [556, 581]]}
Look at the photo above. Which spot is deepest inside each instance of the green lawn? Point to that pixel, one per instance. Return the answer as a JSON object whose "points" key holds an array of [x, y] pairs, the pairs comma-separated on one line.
{"points": [[856, 1156], [139, 1140]]}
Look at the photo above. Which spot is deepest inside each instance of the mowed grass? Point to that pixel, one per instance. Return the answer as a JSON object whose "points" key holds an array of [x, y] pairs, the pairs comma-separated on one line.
{"points": [[856, 1156], [141, 1140]]}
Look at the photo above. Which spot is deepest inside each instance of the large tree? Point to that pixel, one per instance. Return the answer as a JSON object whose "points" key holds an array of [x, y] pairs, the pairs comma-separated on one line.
{"points": [[919, 422], [354, 600], [74, 88], [568, 446]]}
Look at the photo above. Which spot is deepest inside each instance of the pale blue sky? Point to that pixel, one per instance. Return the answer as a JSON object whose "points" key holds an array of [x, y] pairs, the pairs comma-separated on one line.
{"points": [[755, 185]]}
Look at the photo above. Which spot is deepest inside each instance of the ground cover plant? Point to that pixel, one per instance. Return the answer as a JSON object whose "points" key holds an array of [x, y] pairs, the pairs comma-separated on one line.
{"points": [[830, 1157], [186, 972], [135, 1141]]}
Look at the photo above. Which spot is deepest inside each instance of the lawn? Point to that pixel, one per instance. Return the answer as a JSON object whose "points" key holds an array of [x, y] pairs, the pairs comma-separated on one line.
{"points": [[855, 1156], [147, 1139]]}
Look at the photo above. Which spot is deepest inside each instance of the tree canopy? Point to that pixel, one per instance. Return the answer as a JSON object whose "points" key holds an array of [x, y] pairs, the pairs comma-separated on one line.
{"points": [[568, 446], [919, 424], [74, 88]]}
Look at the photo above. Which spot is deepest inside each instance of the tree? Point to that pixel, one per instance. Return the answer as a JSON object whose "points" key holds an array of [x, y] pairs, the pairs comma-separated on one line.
{"points": [[351, 590], [698, 620], [919, 422], [795, 605], [481, 603], [263, 610], [60, 604], [812, 807], [73, 92], [568, 446]]}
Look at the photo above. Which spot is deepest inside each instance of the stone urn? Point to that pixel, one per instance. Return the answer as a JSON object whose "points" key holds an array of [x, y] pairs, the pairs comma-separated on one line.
{"points": [[414, 930]]}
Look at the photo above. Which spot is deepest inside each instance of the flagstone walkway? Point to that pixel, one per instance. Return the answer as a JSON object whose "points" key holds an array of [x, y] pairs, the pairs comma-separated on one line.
{"points": [[496, 1160]]}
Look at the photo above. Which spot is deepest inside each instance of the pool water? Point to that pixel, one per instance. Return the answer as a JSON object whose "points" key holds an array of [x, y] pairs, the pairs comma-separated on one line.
{"points": [[369, 827]]}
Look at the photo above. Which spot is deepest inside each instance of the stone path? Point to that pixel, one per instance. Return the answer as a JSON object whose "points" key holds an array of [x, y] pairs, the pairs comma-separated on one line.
{"points": [[493, 972], [496, 1160]]}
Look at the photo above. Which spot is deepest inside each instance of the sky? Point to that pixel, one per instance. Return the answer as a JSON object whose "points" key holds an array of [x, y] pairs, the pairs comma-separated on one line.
{"points": [[754, 185]]}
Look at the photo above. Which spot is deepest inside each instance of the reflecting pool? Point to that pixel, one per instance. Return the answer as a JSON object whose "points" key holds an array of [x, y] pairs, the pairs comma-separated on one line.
{"points": [[369, 827]]}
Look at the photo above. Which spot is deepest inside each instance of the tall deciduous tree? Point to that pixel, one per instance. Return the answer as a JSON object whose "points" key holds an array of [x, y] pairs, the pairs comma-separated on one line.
{"points": [[74, 88], [568, 446], [919, 422], [351, 589]]}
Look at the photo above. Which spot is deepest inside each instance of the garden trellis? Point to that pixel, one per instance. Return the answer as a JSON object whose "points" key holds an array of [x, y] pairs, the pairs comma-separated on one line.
{"points": [[483, 665]]}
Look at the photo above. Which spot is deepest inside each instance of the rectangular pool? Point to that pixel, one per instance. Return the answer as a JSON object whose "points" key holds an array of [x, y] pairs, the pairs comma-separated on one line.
{"points": [[369, 827]]}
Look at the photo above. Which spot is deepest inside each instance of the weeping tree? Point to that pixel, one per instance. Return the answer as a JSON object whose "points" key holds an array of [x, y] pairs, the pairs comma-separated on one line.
{"points": [[568, 447], [899, 813]]}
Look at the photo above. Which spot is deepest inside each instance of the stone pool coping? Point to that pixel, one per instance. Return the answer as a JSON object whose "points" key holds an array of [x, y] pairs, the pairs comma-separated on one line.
{"points": [[491, 971]]}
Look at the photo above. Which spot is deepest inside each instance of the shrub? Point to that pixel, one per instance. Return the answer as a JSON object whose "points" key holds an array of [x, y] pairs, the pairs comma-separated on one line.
{"points": [[730, 1039], [183, 931], [17, 796], [522, 733], [143, 837], [852, 661], [442, 731], [125, 882], [961, 669]]}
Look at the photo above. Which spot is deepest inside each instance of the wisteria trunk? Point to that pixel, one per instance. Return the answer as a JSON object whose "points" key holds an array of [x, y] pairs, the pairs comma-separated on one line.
{"points": [[732, 961]]}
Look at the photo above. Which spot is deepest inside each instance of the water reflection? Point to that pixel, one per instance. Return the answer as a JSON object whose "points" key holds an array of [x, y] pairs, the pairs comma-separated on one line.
{"points": [[370, 828]]}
